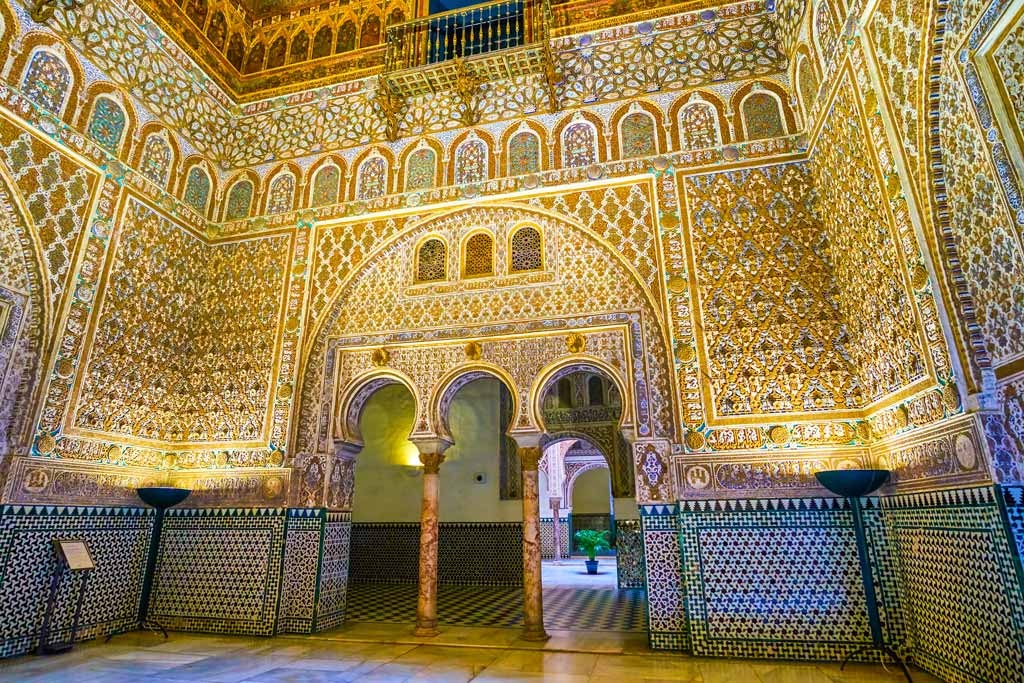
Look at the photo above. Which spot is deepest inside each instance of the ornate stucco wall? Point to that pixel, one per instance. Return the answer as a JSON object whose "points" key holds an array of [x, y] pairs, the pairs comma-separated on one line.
{"points": [[798, 249]]}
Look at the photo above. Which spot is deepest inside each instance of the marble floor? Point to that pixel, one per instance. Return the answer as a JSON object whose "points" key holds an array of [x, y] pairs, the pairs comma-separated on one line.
{"points": [[188, 658]]}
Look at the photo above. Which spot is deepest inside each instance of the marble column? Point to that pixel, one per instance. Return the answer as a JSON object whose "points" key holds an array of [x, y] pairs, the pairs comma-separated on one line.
{"points": [[426, 604], [533, 596], [556, 526]]}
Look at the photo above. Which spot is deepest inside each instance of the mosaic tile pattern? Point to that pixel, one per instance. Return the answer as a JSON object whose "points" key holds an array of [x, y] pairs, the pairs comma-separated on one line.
{"points": [[564, 607], [219, 570], [474, 554], [629, 553], [119, 541], [334, 566], [762, 582], [666, 600], [301, 570], [961, 584], [547, 537], [1013, 504]]}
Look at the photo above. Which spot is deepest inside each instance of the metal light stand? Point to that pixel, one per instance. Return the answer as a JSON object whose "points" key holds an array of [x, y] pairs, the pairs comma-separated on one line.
{"points": [[852, 484], [160, 498]]}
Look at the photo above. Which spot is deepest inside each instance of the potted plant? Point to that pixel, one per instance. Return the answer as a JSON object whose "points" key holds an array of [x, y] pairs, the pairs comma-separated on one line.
{"points": [[592, 542]]}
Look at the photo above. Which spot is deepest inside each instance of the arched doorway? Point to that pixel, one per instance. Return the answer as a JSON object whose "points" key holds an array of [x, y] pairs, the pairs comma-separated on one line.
{"points": [[587, 487]]}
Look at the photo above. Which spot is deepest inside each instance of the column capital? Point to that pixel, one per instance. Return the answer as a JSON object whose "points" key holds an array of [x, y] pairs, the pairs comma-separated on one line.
{"points": [[530, 456], [431, 462], [555, 502]]}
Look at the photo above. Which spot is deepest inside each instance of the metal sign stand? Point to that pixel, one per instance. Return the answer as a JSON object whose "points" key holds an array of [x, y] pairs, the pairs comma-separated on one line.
{"points": [[72, 557]]}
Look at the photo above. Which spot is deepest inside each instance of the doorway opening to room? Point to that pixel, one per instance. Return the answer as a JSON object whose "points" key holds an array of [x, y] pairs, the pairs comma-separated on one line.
{"points": [[479, 518], [586, 485]]}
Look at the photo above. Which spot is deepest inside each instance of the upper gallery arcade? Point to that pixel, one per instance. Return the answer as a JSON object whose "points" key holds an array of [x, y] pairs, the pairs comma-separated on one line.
{"points": [[786, 234]]}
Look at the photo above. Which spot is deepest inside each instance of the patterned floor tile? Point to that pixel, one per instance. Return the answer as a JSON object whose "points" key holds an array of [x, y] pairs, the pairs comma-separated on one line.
{"points": [[564, 608]]}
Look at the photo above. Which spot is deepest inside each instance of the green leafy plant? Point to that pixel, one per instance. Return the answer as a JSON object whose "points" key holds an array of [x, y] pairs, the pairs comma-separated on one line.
{"points": [[592, 542]]}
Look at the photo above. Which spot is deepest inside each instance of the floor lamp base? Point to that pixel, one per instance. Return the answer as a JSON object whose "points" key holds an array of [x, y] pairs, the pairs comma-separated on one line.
{"points": [[147, 625], [884, 650]]}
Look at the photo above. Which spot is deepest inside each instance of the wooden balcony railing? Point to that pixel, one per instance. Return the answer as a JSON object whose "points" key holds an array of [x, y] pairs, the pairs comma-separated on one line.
{"points": [[500, 39]]}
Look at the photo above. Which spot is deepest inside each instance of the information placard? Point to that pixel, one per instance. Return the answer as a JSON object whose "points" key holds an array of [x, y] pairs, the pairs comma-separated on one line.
{"points": [[75, 553]]}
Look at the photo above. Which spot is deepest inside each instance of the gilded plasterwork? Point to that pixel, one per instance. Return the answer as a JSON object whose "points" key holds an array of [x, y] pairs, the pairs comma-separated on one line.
{"points": [[184, 346], [886, 344], [772, 339]]}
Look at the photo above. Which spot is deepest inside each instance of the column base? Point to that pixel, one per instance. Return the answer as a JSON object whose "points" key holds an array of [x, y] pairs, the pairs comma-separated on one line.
{"points": [[426, 629], [534, 634]]}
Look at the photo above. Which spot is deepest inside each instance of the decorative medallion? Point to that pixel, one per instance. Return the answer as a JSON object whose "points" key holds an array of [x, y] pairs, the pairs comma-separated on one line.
{"points": [[694, 440], [380, 358], [45, 444], [685, 353], [778, 435], [473, 350], [730, 153], [951, 397], [660, 163], [531, 181], [919, 277], [284, 392], [595, 171], [291, 325], [677, 284], [299, 268], [902, 417], [65, 368], [113, 453], [864, 430], [669, 221], [966, 452], [653, 467], [276, 459], [576, 342], [170, 461], [272, 488], [222, 459], [36, 481], [698, 477]]}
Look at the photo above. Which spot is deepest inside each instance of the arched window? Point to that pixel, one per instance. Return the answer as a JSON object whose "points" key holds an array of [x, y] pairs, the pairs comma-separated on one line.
{"points": [[637, 136], [564, 393], [300, 48], [471, 162], [370, 34], [346, 37], [397, 16], [595, 391], [255, 61], [579, 145], [106, 125], [807, 84], [239, 201], [525, 250], [282, 194], [698, 126], [431, 261], [421, 168], [155, 162], [217, 30], [47, 81], [197, 189], [323, 41], [762, 117], [326, 184], [478, 255], [236, 52], [523, 153], [372, 180], [276, 54]]}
